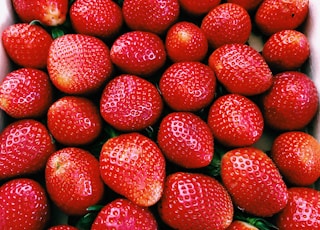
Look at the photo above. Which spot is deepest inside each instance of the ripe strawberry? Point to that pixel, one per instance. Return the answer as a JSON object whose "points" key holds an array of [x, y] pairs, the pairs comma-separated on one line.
{"points": [[241, 225], [235, 120], [195, 201], [25, 93], [138, 52], [79, 64], [226, 23], [241, 69], [198, 8], [124, 214], [302, 210], [297, 156], [63, 227], [74, 120], [253, 181], [101, 18], [291, 102], [133, 166], [188, 86], [73, 181], [154, 16], [185, 41], [286, 50], [275, 15], [23, 205], [249, 5], [130, 103]]}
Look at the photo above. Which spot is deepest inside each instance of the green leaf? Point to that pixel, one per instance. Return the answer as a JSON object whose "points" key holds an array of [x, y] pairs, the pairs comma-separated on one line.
{"points": [[57, 32]]}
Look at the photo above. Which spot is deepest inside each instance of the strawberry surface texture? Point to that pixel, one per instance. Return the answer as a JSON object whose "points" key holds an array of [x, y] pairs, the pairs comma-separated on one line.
{"points": [[159, 114]]}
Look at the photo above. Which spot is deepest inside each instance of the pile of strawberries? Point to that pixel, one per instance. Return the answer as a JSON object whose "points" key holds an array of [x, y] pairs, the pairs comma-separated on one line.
{"points": [[150, 114]]}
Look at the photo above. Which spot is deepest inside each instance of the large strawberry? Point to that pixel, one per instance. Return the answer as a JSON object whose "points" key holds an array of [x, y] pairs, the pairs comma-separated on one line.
{"points": [[249, 5], [198, 8]]}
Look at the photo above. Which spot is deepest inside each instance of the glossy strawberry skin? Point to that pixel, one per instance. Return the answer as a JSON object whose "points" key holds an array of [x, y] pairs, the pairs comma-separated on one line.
{"points": [[62, 227], [198, 8], [253, 181], [133, 166], [249, 5], [241, 225]]}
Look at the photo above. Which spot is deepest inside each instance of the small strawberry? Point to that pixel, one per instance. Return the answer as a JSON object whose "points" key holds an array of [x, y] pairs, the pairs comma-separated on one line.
{"points": [[73, 181], [23, 205], [253, 181], [249, 5], [133, 166], [195, 201], [198, 8], [241, 225], [188, 86], [62, 227], [130, 103], [79, 64], [241, 69], [124, 214]]}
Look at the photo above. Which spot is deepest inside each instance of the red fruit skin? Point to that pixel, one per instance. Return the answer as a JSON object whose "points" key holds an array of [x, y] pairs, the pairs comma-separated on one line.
{"points": [[73, 181], [195, 201], [188, 86], [241, 69], [130, 103], [63, 227], [133, 166], [79, 64], [291, 102], [23, 205], [124, 214], [249, 5], [198, 8], [74, 120], [186, 140], [253, 181], [26, 93], [226, 23], [241, 225]]}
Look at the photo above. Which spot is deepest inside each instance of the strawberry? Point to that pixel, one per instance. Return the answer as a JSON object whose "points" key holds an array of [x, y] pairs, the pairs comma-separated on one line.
{"points": [[297, 156], [23, 205], [138, 52], [79, 64], [249, 5], [130, 103], [133, 166], [275, 15], [62, 227], [291, 102], [27, 44], [235, 120], [73, 181], [195, 201], [185, 41], [188, 86], [186, 140], [241, 69], [253, 181], [154, 16], [226, 23], [124, 214], [286, 50], [198, 8], [74, 120], [26, 93], [241, 225], [101, 18]]}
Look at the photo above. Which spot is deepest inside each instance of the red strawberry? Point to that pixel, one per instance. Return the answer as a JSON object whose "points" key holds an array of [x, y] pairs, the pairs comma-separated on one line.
{"points": [[133, 166], [63, 227], [241, 69], [297, 156], [292, 101], [130, 103], [101, 18], [185, 41], [23, 205], [27, 45], [138, 52], [253, 181], [25, 93], [195, 201], [186, 140], [235, 120], [79, 64], [188, 86], [154, 16], [74, 120], [275, 15], [124, 214], [302, 210], [73, 181], [198, 8], [226, 23], [249, 5], [241, 225]]}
